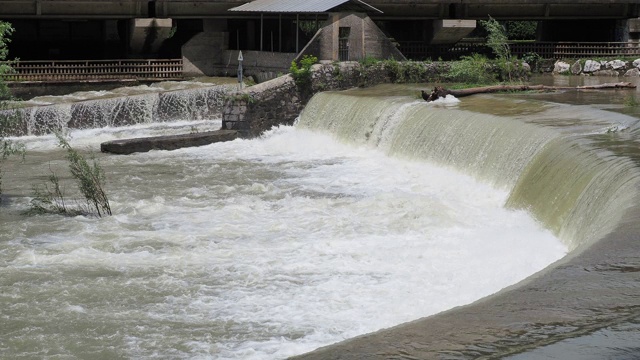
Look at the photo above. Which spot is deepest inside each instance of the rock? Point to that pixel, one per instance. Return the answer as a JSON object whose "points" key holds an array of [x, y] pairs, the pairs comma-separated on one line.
{"points": [[605, 73], [561, 67], [635, 72], [591, 66], [616, 64], [576, 68], [526, 67], [169, 142], [636, 63]]}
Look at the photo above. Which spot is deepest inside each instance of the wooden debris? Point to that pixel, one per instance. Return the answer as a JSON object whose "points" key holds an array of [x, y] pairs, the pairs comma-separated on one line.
{"points": [[440, 92]]}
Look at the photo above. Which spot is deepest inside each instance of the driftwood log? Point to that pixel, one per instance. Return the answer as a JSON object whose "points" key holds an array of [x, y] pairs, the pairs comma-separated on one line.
{"points": [[440, 92]]}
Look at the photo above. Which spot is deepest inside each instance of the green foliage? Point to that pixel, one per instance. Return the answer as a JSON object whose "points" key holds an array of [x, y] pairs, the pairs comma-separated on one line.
{"points": [[395, 69], [507, 66], [533, 59], [50, 199], [475, 69], [7, 147], [89, 178], [407, 71], [521, 30], [246, 97], [302, 74], [5, 67], [309, 28], [497, 39], [369, 61]]}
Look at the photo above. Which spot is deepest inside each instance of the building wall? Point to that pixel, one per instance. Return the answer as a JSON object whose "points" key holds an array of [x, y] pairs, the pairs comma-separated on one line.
{"points": [[365, 39]]}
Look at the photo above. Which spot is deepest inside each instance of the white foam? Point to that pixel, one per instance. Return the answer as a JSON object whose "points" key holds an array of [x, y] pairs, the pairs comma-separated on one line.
{"points": [[448, 100], [267, 248]]}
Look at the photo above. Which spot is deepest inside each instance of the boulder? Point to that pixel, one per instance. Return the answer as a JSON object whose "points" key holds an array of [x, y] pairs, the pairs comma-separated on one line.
{"points": [[561, 67], [591, 66], [616, 64], [576, 68], [636, 63], [605, 73], [635, 72]]}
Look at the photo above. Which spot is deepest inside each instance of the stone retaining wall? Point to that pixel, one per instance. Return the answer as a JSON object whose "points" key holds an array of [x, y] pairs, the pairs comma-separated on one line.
{"points": [[279, 101], [598, 68]]}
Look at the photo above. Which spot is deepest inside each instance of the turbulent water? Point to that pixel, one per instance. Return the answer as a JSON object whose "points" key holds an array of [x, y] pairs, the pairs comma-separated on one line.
{"points": [[371, 211]]}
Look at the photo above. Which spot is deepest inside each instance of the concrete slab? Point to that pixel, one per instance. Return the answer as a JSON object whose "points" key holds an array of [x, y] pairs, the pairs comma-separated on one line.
{"points": [[168, 142], [450, 31]]}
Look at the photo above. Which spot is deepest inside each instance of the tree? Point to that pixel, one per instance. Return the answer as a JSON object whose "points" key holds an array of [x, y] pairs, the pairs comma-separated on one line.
{"points": [[7, 147]]}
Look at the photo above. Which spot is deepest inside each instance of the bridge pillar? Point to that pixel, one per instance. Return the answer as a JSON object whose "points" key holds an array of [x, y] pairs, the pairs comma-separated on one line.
{"points": [[634, 29], [206, 48], [146, 35]]}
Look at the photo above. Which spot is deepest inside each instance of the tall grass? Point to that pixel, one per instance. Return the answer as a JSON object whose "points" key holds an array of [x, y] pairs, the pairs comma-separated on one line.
{"points": [[89, 179]]}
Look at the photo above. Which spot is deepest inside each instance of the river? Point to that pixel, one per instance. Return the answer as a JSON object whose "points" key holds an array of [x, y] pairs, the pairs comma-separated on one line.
{"points": [[341, 225]]}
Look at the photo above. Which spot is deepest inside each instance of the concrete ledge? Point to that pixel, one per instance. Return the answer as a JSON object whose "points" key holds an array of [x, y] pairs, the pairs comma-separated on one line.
{"points": [[168, 142]]}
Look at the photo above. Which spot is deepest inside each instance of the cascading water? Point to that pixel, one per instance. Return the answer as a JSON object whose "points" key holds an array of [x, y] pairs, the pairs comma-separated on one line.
{"points": [[577, 191], [271, 247], [204, 102]]}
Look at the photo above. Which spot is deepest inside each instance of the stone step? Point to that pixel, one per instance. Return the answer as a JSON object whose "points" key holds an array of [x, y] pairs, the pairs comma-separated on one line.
{"points": [[167, 142]]}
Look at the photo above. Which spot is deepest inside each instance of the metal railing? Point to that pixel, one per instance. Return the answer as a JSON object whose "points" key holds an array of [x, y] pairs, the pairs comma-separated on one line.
{"points": [[419, 50], [83, 70]]}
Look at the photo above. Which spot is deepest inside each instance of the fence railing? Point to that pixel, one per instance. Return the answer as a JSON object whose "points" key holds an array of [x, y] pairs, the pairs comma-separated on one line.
{"points": [[79, 70], [418, 50]]}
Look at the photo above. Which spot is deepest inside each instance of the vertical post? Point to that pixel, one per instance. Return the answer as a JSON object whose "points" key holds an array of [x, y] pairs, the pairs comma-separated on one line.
{"points": [[261, 29], [297, 31], [240, 59]]}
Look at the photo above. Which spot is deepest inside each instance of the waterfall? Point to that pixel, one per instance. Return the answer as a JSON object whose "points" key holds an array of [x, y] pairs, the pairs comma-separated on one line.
{"points": [[576, 189], [192, 104]]}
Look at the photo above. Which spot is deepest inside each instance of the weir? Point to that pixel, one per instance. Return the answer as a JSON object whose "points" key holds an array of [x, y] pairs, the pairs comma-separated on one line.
{"points": [[193, 104], [578, 191], [578, 182], [574, 169]]}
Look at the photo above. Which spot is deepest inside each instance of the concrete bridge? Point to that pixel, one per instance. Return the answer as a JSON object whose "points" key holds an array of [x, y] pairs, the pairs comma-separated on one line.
{"points": [[396, 9]]}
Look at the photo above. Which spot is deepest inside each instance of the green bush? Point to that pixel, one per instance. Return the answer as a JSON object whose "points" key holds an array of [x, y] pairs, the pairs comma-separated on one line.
{"points": [[7, 147], [302, 74], [474, 69], [497, 39], [521, 30]]}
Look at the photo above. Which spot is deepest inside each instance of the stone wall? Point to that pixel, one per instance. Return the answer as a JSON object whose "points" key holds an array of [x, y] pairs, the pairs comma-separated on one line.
{"points": [[279, 101], [598, 68]]}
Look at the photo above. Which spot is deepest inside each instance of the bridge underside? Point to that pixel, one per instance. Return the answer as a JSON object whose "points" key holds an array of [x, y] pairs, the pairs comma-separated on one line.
{"points": [[423, 9], [206, 29]]}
